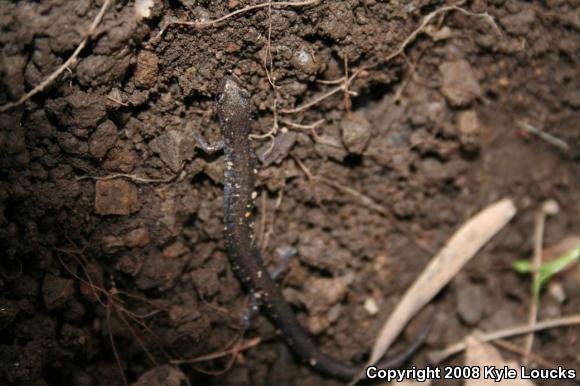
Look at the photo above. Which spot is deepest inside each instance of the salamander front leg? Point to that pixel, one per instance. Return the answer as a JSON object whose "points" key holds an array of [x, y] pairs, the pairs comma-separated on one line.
{"points": [[204, 145]]}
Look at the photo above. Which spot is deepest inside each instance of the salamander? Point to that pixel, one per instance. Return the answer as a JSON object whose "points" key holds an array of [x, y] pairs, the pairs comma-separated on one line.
{"points": [[234, 111]]}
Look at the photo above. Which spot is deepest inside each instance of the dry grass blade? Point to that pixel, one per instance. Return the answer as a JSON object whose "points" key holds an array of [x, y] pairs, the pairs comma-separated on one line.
{"points": [[439, 356], [462, 246]]}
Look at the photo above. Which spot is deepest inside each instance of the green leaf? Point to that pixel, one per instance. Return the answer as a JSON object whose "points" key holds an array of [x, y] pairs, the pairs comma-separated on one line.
{"points": [[522, 266], [548, 269]]}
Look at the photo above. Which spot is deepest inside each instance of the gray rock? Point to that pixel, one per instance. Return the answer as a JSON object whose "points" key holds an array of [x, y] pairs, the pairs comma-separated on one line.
{"points": [[173, 147], [470, 303]]}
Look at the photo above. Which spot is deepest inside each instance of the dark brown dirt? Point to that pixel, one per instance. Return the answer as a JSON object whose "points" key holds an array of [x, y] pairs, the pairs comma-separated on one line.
{"points": [[432, 137]]}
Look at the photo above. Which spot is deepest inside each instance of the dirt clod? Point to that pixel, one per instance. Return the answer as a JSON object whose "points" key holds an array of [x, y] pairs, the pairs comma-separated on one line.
{"points": [[162, 376], [469, 130], [460, 86], [147, 69], [56, 291], [116, 197], [137, 238], [103, 139]]}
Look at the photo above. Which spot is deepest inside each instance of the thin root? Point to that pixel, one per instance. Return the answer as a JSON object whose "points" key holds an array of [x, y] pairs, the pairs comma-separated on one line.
{"points": [[70, 62], [198, 25]]}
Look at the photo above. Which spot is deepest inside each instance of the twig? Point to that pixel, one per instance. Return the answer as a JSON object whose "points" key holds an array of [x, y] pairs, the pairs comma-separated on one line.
{"points": [[551, 139], [132, 177], [204, 358], [504, 344], [335, 81], [438, 356], [65, 66], [548, 207], [210, 23]]}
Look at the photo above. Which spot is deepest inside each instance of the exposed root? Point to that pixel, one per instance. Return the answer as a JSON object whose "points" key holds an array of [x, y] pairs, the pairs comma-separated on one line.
{"points": [[133, 177], [198, 25], [343, 87], [242, 346], [111, 301], [70, 62], [346, 81]]}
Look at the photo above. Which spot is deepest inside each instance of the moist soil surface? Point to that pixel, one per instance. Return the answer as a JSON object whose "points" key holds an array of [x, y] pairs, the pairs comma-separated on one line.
{"points": [[113, 263]]}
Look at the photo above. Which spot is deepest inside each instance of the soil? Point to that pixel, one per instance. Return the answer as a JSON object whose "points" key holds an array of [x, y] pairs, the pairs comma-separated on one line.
{"points": [[132, 271]]}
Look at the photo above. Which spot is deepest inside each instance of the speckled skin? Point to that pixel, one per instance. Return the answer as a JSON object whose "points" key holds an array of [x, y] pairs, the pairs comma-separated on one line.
{"points": [[234, 112]]}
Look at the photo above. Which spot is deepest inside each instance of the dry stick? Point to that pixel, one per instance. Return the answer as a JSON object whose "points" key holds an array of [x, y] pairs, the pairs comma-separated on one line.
{"points": [[335, 81], [211, 23], [66, 65], [548, 207], [504, 344], [536, 263], [438, 356], [241, 347], [551, 139]]}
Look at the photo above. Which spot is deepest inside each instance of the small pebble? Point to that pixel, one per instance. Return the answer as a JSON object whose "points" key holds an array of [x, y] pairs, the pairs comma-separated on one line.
{"points": [[469, 130], [371, 306], [356, 131], [460, 86]]}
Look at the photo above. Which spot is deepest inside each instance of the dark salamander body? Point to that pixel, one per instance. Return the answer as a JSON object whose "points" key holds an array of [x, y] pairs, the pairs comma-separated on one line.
{"points": [[234, 112]]}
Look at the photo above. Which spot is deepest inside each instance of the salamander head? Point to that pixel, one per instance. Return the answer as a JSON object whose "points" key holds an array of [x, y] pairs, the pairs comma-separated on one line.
{"points": [[233, 104]]}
